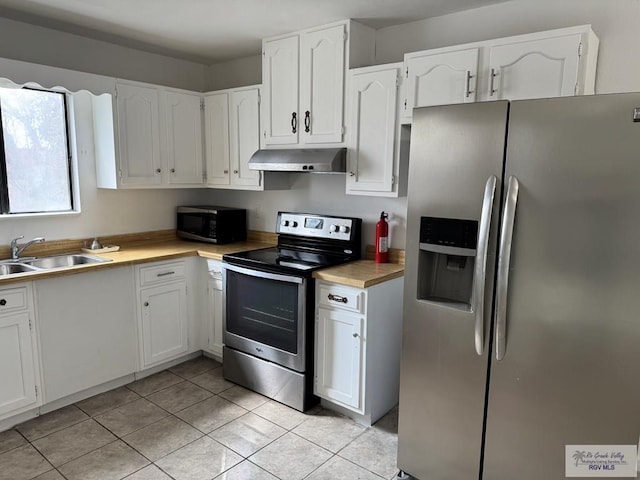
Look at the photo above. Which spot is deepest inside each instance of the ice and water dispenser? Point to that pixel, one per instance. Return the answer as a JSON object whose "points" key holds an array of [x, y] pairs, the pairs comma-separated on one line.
{"points": [[446, 261]]}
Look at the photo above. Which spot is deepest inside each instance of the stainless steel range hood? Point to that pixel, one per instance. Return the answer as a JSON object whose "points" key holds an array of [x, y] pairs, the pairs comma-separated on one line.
{"points": [[310, 160]]}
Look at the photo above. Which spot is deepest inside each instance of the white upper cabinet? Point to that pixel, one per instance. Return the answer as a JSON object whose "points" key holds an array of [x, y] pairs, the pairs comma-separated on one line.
{"points": [[535, 69], [216, 125], [281, 87], [372, 126], [545, 64], [232, 136], [303, 82], [441, 78], [183, 120], [244, 132], [138, 130], [322, 71], [158, 133]]}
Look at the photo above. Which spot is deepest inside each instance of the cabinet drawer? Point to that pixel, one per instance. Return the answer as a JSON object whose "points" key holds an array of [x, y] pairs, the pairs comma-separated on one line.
{"points": [[165, 272], [338, 296], [13, 299]]}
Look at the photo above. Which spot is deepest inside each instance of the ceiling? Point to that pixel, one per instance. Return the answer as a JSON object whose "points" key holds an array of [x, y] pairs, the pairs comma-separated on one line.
{"points": [[212, 31]]}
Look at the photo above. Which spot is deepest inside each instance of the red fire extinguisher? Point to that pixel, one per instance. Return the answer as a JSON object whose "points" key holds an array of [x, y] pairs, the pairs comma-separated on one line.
{"points": [[382, 239]]}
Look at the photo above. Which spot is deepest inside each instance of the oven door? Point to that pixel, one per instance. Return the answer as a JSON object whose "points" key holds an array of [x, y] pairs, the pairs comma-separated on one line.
{"points": [[265, 315]]}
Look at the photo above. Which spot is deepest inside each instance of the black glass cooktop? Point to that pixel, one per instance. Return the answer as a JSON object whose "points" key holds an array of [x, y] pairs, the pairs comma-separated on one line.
{"points": [[278, 259]]}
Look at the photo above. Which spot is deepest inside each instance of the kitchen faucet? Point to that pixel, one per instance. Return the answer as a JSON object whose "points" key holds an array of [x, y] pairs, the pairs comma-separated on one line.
{"points": [[16, 251]]}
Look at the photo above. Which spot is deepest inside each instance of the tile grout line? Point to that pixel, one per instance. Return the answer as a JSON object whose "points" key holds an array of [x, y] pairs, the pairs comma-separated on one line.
{"points": [[238, 398]]}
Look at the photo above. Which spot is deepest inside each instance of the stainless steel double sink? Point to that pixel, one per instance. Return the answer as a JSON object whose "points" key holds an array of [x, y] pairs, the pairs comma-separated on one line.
{"points": [[40, 264]]}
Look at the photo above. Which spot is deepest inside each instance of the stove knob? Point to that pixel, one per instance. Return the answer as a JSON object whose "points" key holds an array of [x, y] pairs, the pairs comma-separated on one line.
{"points": [[295, 224], [344, 229], [285, 223], [334, 228]]}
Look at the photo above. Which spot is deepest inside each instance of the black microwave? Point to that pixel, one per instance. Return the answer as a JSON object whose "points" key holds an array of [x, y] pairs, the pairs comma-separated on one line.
{"points": [[212, 224]]}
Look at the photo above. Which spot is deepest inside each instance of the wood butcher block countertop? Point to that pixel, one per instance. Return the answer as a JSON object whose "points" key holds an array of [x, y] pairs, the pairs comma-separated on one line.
{"points": [[361, 273], [134, 249], [365, 273], [163, 245]]}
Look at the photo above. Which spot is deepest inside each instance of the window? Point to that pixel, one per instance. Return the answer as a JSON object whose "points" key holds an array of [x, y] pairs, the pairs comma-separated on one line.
{"points": [[35, 171]]}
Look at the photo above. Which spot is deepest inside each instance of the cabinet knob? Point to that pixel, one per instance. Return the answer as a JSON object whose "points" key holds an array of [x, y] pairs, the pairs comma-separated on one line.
{"points": [[355, 335], [235, 171], [3, 302], [158, 170], [173, 170], [146, 304], [352, 174]]}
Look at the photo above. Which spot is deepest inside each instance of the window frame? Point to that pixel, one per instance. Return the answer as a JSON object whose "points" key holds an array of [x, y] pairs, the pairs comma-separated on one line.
{"points": [[70, 163]]}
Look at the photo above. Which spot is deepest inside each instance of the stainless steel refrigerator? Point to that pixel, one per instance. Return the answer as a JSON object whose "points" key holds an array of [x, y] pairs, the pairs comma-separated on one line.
{"points": [[522, 286]]}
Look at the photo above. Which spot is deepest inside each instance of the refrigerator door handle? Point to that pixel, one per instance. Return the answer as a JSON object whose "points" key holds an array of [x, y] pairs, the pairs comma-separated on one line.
{"points": [[504, 259], [480, 268]]}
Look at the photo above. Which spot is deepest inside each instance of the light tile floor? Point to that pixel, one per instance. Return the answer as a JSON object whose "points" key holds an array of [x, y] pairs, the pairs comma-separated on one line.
{"points": [[189, 423]]}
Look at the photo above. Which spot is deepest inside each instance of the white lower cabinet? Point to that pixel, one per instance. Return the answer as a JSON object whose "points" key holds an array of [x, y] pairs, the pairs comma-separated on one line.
{"points": [[162, 312], [18, 371], [87, 330], [357, 347], [339, 357], [214, 311]]}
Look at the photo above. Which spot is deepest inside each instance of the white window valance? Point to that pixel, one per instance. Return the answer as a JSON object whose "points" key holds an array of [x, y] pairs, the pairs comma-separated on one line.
{"points": [[14, 73]]}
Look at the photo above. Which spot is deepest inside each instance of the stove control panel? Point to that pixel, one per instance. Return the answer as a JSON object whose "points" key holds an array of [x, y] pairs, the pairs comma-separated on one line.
{"points": [[317, 226]]}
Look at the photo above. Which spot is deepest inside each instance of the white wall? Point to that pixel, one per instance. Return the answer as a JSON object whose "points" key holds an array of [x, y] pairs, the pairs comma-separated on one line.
{"points": [[104, 212], [235, 73], [615, 22], [30, 43], [316, 193]]}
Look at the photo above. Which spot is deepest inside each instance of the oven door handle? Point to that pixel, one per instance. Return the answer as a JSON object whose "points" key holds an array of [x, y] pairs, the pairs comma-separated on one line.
{"points": [[268, 275]]}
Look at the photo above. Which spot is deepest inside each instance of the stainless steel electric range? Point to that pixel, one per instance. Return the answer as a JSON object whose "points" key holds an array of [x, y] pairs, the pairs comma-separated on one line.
{"points": [[269, 304]]}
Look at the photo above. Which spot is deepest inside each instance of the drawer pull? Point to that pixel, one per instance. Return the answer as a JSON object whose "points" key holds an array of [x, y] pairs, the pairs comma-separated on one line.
{"points": [[164, 274], [355, 335], [337, 298], [3, 302]]}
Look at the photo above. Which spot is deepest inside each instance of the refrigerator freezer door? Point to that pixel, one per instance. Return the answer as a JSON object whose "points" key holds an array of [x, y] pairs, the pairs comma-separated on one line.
{"points": [[454, 151], [569, 374]]}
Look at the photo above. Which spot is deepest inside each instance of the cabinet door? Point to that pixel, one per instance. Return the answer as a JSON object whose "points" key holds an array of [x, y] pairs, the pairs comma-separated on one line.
{"points": [[322, 71], [183, 123], [138, 135], [164, 322], [280, 79], [440, 79], [339, 357], [216, 124], [16, 363], [87, 336], [215, 317], [244, 131], [534, 69], [372, 116]]}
